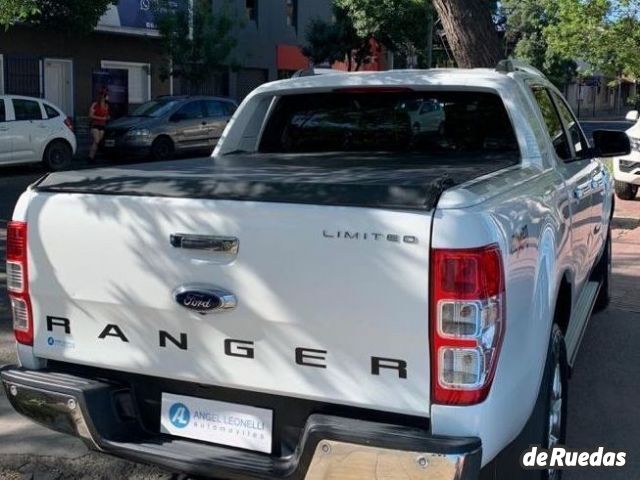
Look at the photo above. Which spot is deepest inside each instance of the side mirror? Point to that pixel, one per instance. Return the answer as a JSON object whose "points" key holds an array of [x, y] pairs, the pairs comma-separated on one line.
{"points": [[177, 117], [633, 116], [611, 143]]}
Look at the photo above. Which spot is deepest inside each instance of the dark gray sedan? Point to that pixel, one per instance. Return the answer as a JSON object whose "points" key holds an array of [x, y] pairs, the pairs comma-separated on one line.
{"points": [[168, 125]]}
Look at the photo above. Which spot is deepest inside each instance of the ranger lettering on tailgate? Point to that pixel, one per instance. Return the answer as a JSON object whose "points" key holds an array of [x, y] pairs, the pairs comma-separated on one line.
{"points": [[304, 356]]}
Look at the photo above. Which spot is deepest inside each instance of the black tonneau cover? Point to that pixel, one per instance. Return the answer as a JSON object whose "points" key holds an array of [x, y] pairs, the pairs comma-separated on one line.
{"points": [[394, 181]]}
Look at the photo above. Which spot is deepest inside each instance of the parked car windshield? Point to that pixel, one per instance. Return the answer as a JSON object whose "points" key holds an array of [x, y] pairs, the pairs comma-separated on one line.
{"points": [[154, 108], [420, 122]]}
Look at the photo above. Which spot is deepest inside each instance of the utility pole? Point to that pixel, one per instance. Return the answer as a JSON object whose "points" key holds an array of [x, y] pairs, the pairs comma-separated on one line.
{"points": [[619, 93], [430, 26], [191, 7], [191, 13], [580, 80]]}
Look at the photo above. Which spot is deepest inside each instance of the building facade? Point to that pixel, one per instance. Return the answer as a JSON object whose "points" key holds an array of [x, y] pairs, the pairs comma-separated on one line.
{"points": [[62, 67], [269, 40]]}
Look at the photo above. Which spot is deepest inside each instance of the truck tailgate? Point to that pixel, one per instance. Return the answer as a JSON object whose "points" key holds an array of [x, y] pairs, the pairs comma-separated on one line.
{"points": [[332, 301]]}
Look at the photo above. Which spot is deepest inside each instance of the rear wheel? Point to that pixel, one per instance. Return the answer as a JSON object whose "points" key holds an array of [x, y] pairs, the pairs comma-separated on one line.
{"points": [[162, 148], [555, 385], [547, 425], [58, 155], [626, 191]]}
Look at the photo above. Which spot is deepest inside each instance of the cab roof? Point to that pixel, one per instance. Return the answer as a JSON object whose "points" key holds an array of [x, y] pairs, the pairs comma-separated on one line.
{"points": [[453, 77]]}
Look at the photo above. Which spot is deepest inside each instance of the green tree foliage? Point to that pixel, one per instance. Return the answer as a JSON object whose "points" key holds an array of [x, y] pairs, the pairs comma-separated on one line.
{"points": [[526, 21], [197, 42], [329, 42], [603, 33], [70, 16], [12, 11], [399, 25]]}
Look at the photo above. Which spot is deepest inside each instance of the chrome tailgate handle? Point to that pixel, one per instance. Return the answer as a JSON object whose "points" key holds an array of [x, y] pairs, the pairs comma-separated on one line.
{"points": [[210, 243]]}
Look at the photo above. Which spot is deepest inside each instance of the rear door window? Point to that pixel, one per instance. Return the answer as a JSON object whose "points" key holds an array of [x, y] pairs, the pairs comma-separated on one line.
{"points": [[50, 111], [26, 109], [553, 123], [215, 108], [578, 140], [191, 111], [229, 108], [459, 123]]}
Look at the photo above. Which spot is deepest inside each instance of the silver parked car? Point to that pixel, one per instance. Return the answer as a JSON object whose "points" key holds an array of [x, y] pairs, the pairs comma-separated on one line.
{"points": [[167, 125]]}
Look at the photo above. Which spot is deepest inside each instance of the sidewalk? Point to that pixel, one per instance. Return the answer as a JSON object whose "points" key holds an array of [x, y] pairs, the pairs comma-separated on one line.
{"points": [[626, 254]]}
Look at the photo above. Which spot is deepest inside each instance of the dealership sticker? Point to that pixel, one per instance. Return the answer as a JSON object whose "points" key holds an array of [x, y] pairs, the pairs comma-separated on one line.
{"points": [[57, 343]]}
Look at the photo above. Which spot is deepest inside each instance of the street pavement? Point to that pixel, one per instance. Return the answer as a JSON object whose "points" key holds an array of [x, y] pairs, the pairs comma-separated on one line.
{"points": [[603, 390]]}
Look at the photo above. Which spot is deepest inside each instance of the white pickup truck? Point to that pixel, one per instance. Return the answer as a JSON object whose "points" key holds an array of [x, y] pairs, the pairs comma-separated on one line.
{"points": [[335, 294], [626, 170]]}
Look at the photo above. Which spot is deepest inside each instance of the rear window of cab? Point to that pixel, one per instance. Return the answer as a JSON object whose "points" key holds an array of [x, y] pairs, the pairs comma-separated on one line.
{"points": [[431, 123]]}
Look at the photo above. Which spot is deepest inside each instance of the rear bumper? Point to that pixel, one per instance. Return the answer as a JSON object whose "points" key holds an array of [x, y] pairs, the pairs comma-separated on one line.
{"points": [[329, 447]]}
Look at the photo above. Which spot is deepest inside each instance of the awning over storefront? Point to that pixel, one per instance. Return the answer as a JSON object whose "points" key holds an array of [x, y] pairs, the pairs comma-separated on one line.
{"points": [[290, 57]]}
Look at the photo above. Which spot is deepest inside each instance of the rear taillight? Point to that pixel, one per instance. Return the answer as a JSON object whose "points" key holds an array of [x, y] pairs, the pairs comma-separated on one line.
{"points": [[18, 282], [468, 323], [69, 123]]}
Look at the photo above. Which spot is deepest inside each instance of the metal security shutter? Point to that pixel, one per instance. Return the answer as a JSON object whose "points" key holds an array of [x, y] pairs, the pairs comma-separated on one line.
{"points": [[216, 85], [249, 79], [22, 76]]}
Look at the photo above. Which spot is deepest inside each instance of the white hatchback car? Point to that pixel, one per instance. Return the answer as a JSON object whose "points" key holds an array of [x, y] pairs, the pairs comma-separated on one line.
{"points": [[34, 130]]}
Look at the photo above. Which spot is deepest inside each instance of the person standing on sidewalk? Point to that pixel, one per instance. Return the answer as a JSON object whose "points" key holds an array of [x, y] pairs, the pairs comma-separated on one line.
{"points": [[99, 115]]}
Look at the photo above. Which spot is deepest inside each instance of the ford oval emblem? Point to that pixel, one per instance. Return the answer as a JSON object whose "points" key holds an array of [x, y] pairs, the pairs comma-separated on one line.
{"points": [[204, 299]]}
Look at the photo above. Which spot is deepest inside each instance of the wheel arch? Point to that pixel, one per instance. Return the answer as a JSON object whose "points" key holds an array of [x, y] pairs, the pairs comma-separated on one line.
{"points": [[165, 136], [563, 302], [51, 142]]}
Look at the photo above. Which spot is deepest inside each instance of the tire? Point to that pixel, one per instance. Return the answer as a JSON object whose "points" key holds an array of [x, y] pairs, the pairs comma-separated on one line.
{"points": [[625, 191], [602, 274], [162, 148], [555, 393], [537, 430], [57, 156]]}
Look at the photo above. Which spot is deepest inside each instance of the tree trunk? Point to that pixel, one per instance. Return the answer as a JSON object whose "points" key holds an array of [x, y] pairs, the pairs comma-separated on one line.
{"points": [[470, 32]]}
